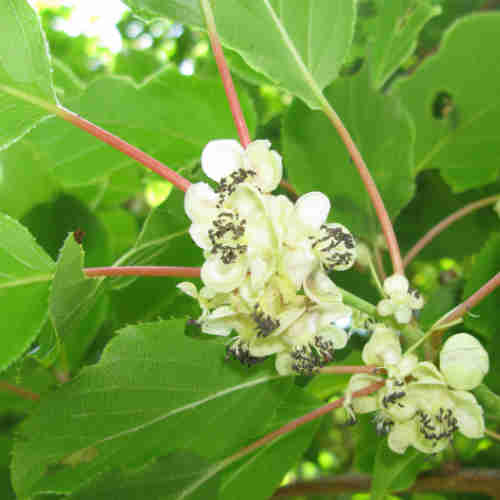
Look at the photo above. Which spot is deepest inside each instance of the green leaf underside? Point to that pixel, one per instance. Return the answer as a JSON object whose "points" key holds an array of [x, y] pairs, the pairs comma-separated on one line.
{"points": [[162, 479], [24, 67], [297, 43], [454, 100], [182, 115], [394, 34], [311, 144], [484, 317], [256, 477], [25, 271], [394, 472], [151, 389]]}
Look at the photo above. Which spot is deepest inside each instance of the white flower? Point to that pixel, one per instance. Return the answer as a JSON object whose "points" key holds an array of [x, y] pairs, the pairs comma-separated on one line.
{"points": [[463, 361], [226, 162], [307, 240], [402, 300]]}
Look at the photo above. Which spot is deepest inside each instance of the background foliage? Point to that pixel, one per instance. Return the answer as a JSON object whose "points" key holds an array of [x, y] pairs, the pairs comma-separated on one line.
{"points": [[151, 404]]}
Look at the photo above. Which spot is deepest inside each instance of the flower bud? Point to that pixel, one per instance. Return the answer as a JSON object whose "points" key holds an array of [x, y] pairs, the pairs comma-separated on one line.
{"points": [[463, 362]]}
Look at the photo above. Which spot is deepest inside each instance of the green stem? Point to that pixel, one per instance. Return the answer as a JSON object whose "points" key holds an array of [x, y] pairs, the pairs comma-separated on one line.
{"points": [[353, 300]]}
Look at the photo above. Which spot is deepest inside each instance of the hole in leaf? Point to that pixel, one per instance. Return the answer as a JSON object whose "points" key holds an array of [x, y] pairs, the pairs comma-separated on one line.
{"points": [[443, 105]]}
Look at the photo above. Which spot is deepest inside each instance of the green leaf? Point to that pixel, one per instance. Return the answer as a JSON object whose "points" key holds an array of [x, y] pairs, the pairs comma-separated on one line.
{"points": [[441, 301], [153, 391], [72, 295], [66, 83], [163, 240], [24, 67], [453, 97], [317, 158], [393, 471], [162, 480], [25, 180], [433, 202], [488, 399], [256, 476], [484, 317], [25, 272], [299, 44], [395, 31], [183, 114]]}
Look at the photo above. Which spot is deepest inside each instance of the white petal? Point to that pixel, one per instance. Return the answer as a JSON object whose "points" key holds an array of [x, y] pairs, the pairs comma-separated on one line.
{"points": [[280, 210], [261, 270], [267, 165], [287, 318], [311, 210], [200, 202], [363, 404], [321, 289], [221, 157], [223, 277], [385, 307], [336, 335], [396, 284], [219, 322], [298, 264], [402, 435], [383, 347], [247, 201], [464, 361], [284, 363], [189, 289], [469, 414], [266, 346], [199, 234], [427, 373], [403, 314]]}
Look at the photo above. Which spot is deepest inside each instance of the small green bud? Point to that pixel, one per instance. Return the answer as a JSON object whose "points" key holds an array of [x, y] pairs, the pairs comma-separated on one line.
{"points": [[463, 362]]}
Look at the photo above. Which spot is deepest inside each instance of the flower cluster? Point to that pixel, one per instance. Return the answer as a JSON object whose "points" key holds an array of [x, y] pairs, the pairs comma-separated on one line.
{"points": [[402, 299], [421, 405], [266, 260]]}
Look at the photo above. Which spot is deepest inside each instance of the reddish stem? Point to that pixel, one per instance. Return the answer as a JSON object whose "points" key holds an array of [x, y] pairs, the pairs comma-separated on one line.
{"points": [[308, 417], [103, 135], [445, 223], [177, 272], [19, 391], [227, 81], [473, 300]]}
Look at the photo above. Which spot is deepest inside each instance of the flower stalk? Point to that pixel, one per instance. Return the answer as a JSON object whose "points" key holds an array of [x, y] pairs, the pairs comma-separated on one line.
{"points": [[172, 271], [19, 391]]}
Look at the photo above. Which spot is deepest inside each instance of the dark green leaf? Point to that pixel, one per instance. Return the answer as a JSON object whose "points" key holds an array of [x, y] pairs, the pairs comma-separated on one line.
{"points": [[395, 31], [25, 180], [442, 300], [183, 114], [393, 471], [484, 317], [488, 399], [25, 272], [24, 68], [51, 223], [153, 391], [453, 97], [300, 44], [433, 202], [316, 158]]}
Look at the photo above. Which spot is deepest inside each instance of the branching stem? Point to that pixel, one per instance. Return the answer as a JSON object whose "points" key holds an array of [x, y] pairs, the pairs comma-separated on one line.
{"points": [[172, 271], [348, 369], [445, 223]]}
